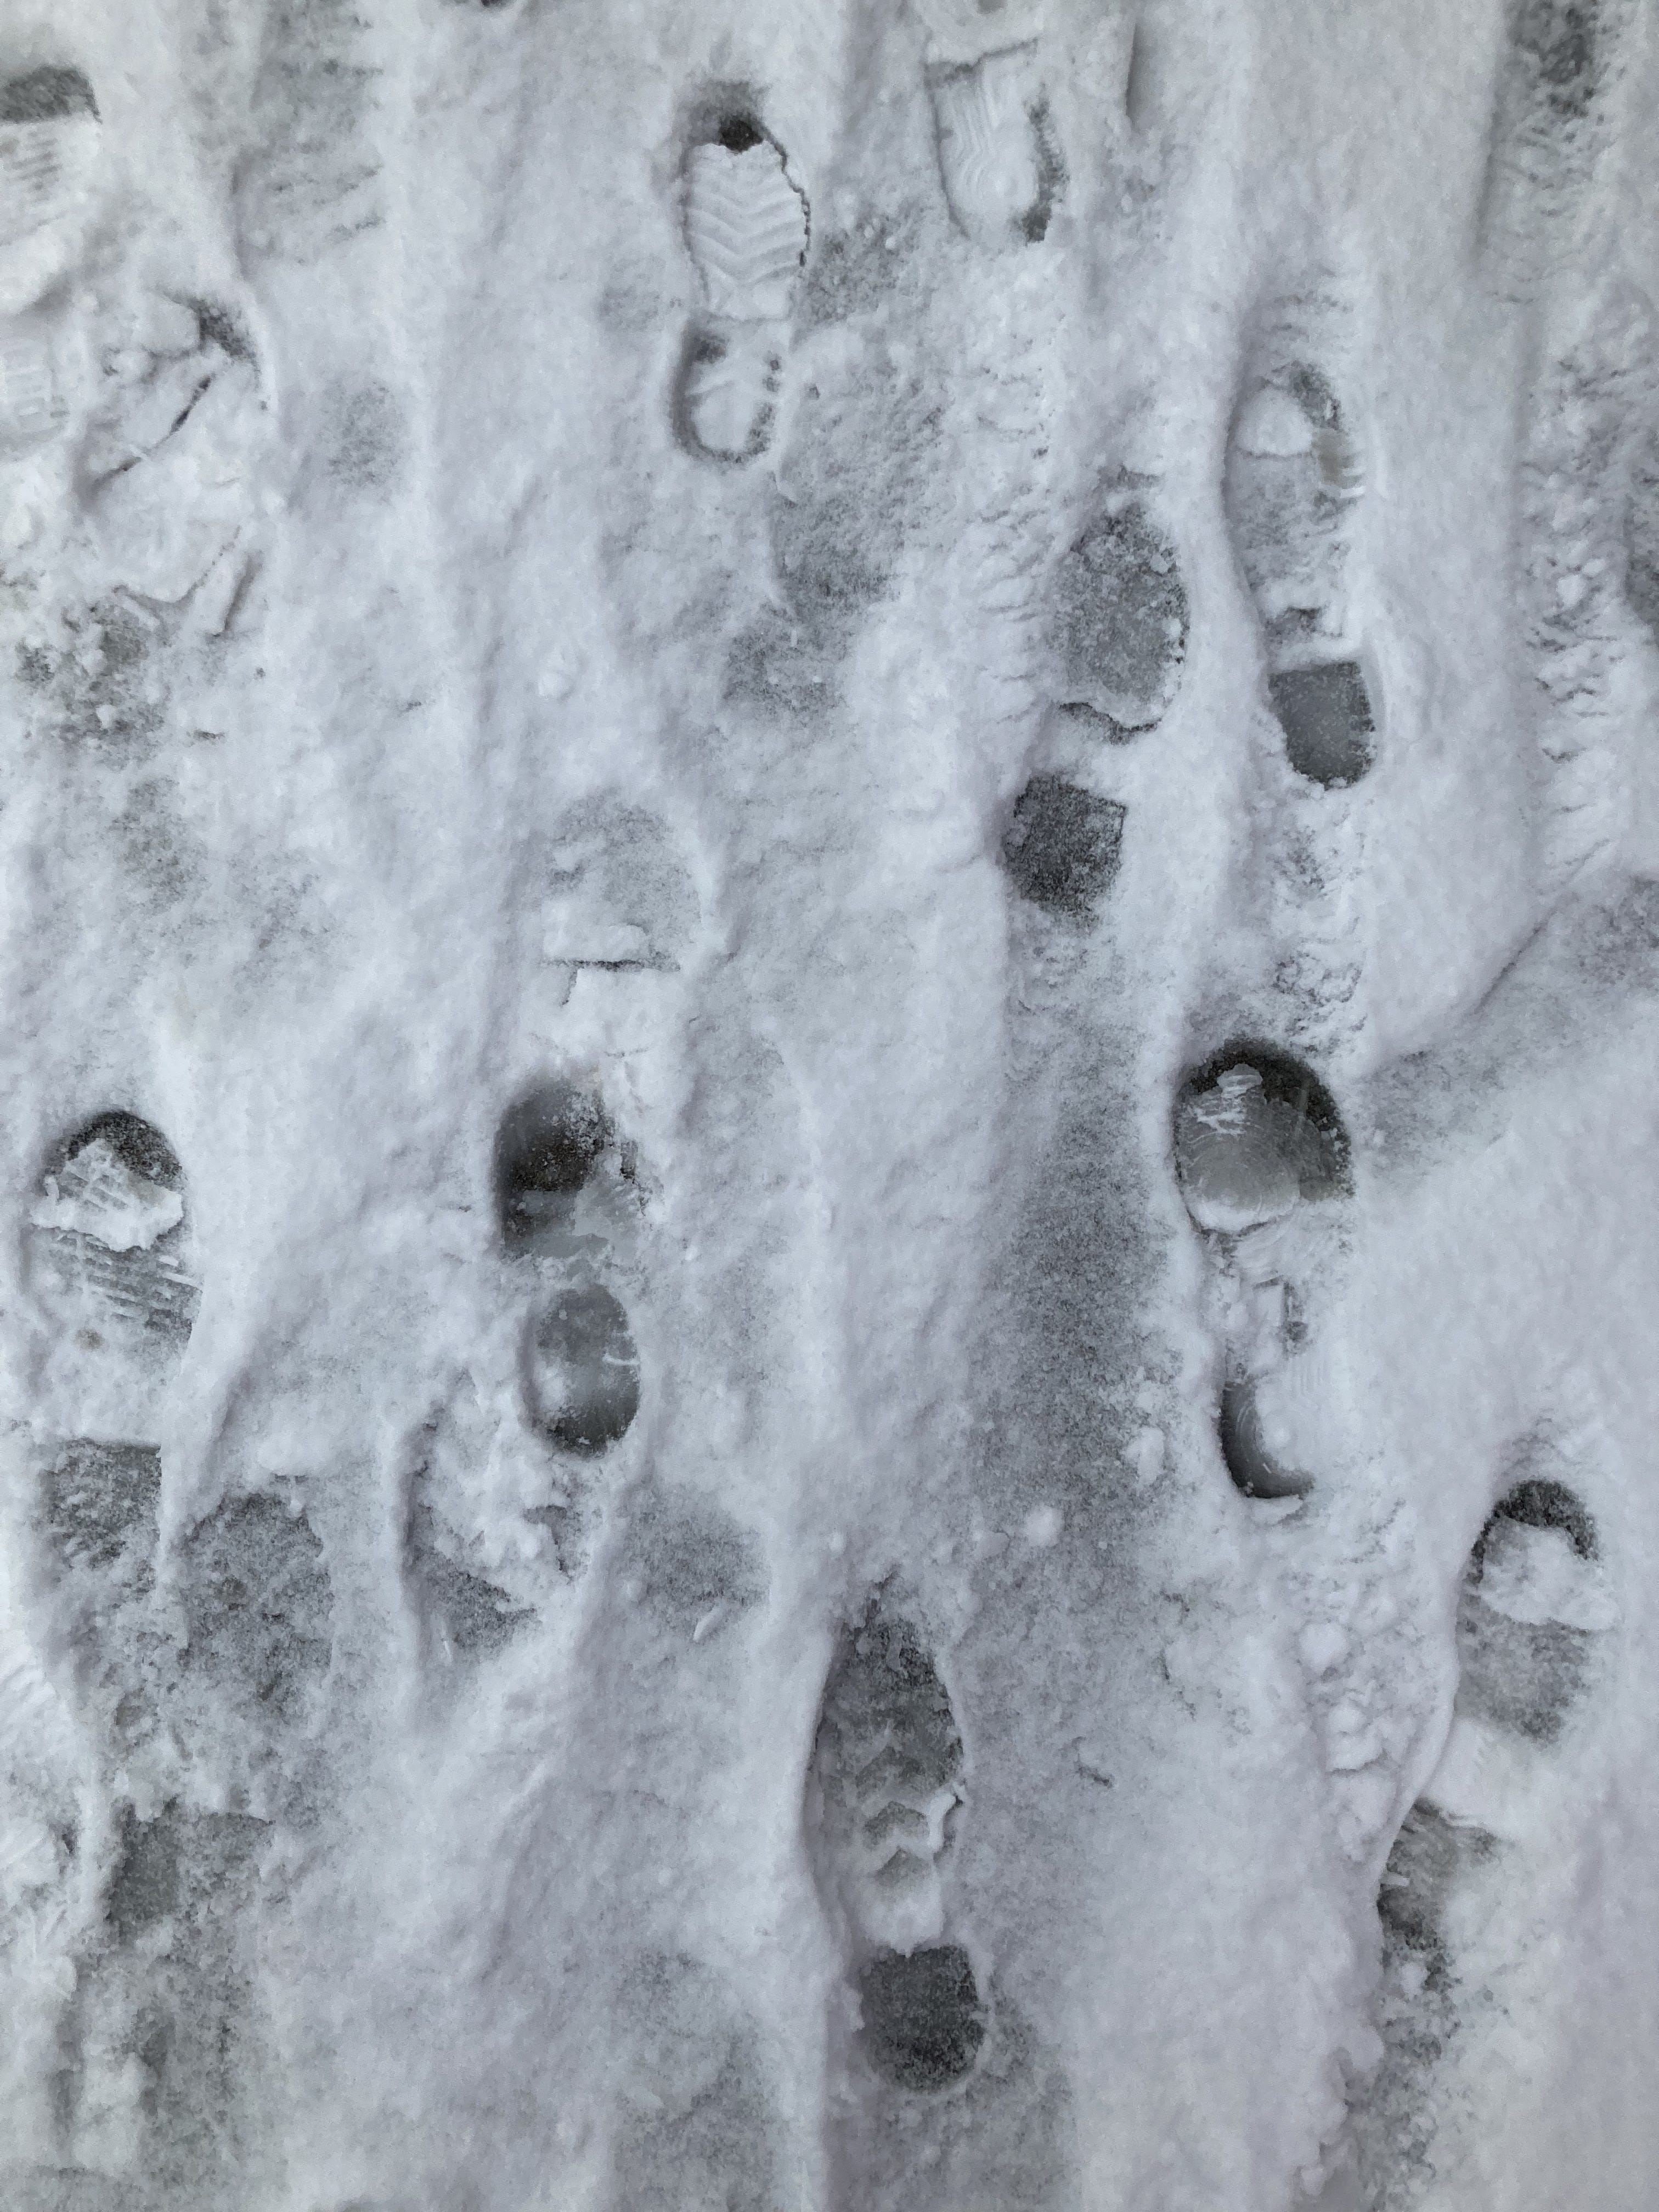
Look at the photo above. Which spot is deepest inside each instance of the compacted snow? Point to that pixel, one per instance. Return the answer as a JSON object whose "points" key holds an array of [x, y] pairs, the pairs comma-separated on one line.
{"points": [[829, 842]]}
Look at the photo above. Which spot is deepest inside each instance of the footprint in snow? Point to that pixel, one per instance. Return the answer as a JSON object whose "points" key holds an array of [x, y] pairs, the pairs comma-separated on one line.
{"points": [[565, 1195], [99, 1509], [168, 2052], [619, 896], [259, 1616], [172, 443], [1534, 1615], [466, 1614], [32, 406], [1641, 546], [307, 173], [109, 1252], [1532, 1610], [746, 227], [111, 1265], [692, 1568], [1063, 845], [564, 1189], [49, 146], [1294, 472], [160, 2037], [1118, 620], [1548, 127], [999, 156], [1262, 1154], [886, 1783]]}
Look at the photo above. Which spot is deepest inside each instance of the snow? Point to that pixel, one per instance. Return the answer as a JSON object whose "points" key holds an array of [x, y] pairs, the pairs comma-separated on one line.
{"points": [[827, 848]]}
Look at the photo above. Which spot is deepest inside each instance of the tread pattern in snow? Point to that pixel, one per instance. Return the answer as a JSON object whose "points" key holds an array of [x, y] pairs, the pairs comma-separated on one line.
{"points": [[887, 1780], [109, 1236], [747, 227], [49, 133], [1521, 1665], [1548, 131]]}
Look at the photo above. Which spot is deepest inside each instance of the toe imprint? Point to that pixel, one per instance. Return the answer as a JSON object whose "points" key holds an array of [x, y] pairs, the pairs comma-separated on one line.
{"points": [[996, 155], [888, 1766]]}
